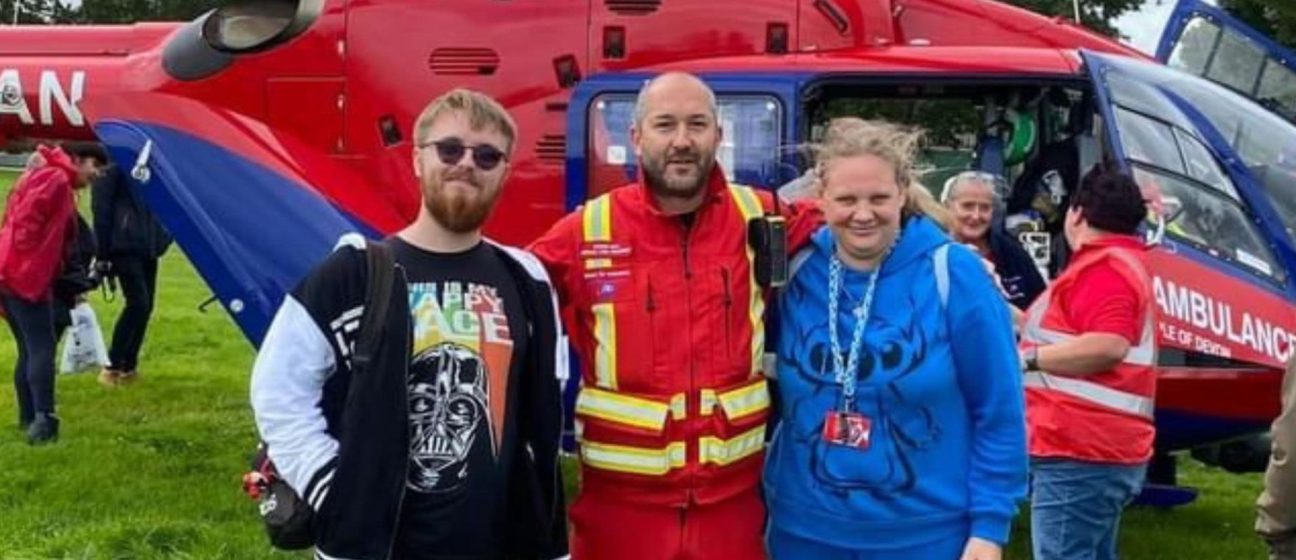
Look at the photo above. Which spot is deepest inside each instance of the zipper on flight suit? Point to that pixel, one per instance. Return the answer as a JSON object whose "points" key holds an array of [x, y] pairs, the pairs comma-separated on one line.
{"points": [[728, 311], [691, 395], [651, 303]]}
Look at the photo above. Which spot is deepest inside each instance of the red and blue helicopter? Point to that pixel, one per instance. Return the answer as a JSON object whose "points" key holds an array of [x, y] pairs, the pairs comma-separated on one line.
{"points": [[263, 130]]}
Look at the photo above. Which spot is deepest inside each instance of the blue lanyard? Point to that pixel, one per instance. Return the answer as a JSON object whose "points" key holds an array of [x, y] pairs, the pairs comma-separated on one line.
{"points": [[845, 372]]}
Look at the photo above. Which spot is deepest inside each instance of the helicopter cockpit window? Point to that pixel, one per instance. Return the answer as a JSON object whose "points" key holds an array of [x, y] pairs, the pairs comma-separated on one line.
{"points": [[258, 24], [1154, 142], [1193, 51], [1208, 220], [748, 153], [1205, 50], [1236, 63], [1247, 127], [1200, 165], [1278, 89], [1149, 141]]}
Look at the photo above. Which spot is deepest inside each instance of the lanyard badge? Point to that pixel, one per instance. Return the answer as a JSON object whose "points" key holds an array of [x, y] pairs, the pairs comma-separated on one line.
{"points": [[844, 426], [850, 429]]}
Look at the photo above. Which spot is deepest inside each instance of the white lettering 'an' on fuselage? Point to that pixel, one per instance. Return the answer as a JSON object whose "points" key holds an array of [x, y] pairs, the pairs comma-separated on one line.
{"points": [[13, 100]]}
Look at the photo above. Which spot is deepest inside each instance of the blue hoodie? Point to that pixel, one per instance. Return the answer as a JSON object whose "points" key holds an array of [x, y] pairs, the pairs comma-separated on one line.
{"points": [[948, 441]]}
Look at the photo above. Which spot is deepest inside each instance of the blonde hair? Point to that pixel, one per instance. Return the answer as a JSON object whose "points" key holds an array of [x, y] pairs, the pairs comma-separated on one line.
{"points": [[922, 201], [483, 112], [893, 143]]}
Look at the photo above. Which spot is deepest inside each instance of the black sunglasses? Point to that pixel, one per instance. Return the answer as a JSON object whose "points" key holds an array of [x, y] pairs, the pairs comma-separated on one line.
{"points": [[451, 151]]}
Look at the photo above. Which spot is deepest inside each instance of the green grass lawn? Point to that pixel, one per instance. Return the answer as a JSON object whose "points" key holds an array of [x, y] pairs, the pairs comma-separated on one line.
{"points": [[152, 470]]}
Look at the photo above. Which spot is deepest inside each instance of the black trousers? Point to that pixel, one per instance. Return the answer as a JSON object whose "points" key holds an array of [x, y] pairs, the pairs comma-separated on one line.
{"points": [[33, 329], [137, 277]]}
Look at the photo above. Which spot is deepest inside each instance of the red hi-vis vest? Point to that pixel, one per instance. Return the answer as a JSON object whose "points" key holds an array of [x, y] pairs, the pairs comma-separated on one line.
{"points": [[668, 321], [1105, 417]]}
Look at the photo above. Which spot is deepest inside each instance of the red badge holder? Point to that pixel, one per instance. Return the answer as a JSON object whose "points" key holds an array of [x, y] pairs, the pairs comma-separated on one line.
{"points": [[850, 429]]}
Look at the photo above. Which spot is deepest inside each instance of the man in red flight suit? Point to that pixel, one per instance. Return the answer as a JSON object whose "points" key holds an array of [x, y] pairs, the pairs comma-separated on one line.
{"points": [[657, 280]]}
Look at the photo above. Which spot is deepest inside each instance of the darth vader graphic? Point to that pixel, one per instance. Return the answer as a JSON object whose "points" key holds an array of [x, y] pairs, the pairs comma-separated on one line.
{"points": [[449, 412]]}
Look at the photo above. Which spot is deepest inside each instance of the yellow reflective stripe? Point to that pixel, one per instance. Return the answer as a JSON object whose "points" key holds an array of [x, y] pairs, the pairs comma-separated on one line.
{"points": [[621, 408], [725, 452], [708, 401], [636, 460], [597, 219], [750, 207], [605, 351], [748, 203], [678, 406], [596, 222], [747, 400]]}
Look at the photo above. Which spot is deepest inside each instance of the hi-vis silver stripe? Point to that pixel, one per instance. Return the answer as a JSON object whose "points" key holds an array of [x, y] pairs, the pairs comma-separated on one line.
{"points": [[1085, 390], [1142, 355]]}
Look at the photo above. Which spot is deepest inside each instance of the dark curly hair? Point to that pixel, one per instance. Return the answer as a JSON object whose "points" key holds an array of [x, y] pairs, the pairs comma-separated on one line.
{"points": [[1110, 200]]}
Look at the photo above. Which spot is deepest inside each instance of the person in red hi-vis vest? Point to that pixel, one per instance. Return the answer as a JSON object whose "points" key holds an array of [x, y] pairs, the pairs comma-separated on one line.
{"points": [[1089, 351], [657, 281], [38, 231]]}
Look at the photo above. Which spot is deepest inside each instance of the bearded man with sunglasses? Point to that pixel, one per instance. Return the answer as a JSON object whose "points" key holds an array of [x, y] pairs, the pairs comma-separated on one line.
{"points": [[446, 444]]}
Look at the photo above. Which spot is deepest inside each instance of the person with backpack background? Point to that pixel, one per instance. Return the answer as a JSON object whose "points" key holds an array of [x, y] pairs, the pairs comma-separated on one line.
{"points": [[130, 242]]}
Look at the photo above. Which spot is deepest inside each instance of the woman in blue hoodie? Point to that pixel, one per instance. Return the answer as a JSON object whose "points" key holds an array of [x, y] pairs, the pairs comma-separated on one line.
{"points": [[902, 432]]}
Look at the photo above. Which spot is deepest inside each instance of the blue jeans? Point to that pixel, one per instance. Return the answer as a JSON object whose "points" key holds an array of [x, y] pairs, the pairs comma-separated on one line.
{"points": [[1076, 507], [33, 329], [782, 545]]}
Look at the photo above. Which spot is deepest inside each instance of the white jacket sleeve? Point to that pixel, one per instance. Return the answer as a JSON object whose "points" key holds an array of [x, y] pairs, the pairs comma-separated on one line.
{"points": [[287, 387]]}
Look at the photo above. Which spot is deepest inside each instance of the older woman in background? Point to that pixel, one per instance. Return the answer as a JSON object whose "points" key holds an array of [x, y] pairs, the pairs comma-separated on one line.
{"points": [[971, 198]]}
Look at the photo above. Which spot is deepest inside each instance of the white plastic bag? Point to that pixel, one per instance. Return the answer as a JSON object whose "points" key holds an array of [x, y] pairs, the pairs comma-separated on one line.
{"points": [[83, 345]]}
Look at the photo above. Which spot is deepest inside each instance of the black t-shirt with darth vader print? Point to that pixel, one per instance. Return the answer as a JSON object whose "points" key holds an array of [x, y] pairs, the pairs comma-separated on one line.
{"points": [[469, 336]]}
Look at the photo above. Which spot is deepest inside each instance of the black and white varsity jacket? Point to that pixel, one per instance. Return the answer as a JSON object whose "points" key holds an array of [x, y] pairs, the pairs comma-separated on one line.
{"points": [[342, 441]]}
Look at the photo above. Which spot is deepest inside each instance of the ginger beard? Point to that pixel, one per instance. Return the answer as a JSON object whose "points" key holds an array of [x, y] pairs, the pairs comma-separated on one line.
{"points": [[458, 198]]}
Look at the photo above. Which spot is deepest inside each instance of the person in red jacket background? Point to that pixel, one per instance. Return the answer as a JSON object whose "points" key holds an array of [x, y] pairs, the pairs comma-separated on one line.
{"points": [[38, 231]]}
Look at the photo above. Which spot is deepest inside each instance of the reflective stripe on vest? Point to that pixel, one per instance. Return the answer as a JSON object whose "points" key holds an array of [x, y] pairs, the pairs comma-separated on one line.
{"points": [[723, 452], [636, 460], [749, 206], [596, 221], [1142, 355], [745, 401], [739, 402], [621, 408], [708, 402], [1128, 403]]}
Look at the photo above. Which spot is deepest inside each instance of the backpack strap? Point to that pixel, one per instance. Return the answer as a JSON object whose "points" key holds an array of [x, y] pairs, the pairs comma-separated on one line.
{"points": [[798, 261], [378, 289], [940, 264]]}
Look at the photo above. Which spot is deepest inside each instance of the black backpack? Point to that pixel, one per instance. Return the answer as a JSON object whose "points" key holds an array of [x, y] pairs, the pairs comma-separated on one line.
{"points": [[286, 515]]}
